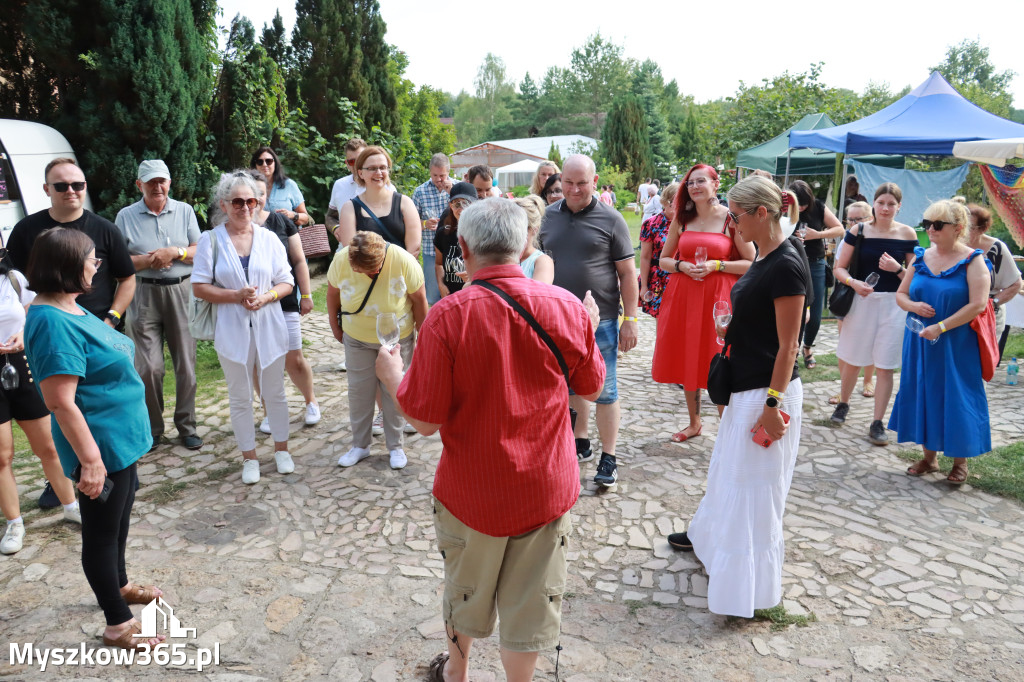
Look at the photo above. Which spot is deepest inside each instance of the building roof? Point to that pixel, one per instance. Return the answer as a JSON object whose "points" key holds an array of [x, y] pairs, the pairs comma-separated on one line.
{"points": [[539, 146]]}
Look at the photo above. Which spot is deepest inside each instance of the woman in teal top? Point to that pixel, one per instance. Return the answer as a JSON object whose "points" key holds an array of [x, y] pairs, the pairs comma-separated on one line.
{"points": [[100, 426]]}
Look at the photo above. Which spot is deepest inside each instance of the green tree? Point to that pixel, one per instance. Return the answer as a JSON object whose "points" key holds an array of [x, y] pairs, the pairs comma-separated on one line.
{"points": [[649, 86], [274, 40], [600, 74], [555, 155], [968, 69], [422, 133], [122, 80], [625, 142]]}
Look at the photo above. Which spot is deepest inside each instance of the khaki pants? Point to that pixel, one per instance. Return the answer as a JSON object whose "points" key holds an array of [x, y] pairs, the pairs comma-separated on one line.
{"points": [[360, 361]]}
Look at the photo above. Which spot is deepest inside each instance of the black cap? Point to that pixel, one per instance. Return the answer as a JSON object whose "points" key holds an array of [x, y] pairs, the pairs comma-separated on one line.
{"points": [[462, 190]]}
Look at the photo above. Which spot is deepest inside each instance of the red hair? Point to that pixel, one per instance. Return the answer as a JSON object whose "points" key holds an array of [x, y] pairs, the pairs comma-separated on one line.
{"points": [[684, 214]]}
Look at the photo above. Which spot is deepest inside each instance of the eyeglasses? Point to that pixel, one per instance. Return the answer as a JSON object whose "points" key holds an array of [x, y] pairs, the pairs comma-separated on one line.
{"points": [[854, 221], [936, 225], [264, 162], [95, 261], [63, 186], [460, 203], [239, 202], [736, 218], [375, 169], [697, 182]]}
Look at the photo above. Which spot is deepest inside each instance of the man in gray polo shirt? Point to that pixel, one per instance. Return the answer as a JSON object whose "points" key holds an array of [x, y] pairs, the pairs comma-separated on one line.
{"points": [[593, 251], [162, 234]]}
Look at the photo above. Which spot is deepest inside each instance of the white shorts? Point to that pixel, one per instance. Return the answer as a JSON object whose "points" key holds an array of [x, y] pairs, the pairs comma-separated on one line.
{"points": [[294, 323], [872, 332]]}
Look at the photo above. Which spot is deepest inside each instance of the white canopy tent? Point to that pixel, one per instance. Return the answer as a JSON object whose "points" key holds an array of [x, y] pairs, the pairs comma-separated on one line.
{"points": [[516, 174], [992, 152]]}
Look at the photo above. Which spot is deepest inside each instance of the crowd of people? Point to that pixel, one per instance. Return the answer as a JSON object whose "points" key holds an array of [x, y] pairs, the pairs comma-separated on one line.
{"points": [[534, 298]]}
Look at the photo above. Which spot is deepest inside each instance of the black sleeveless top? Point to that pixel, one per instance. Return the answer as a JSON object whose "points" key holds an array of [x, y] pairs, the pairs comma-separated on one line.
{"points": [[392, 221]]}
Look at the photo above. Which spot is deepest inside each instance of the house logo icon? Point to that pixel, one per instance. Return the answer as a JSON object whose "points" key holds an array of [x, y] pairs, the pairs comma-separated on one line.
{"points": [[158, 616]]}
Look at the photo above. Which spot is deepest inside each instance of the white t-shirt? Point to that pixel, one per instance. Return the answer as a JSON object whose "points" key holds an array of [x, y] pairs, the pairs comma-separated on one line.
{"points": [[345, 189], [12, 308], [653, 207], [645, 192]]}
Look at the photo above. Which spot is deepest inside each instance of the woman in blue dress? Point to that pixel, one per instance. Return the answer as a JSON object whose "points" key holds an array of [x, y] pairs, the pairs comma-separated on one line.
{"points": [[941, 403], [285, 196]]}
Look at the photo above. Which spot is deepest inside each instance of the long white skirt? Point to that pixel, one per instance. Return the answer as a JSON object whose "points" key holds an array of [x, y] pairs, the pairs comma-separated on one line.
{"points": [[737, 530]]}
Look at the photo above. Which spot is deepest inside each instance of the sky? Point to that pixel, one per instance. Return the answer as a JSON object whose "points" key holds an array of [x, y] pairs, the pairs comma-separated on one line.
{"points": [[708, 47]]}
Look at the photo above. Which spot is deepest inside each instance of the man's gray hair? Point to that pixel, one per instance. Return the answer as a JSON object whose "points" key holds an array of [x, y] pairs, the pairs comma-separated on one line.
{"points": [[494, 230], [588, 163], [440, 160]]}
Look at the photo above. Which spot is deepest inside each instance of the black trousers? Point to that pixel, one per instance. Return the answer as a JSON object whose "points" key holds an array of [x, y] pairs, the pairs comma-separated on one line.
{"points": [[104, 536]]}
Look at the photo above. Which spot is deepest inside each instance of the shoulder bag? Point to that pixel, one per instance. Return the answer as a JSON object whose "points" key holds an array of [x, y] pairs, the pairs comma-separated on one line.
{"points": [[544, 336], [842, 296], [314, 241], [373, 283], [720, 377], [384, 231], [202, 318]]}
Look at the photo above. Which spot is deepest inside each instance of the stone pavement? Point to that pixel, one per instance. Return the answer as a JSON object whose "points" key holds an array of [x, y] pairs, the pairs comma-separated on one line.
{"points": [[332, 573]]}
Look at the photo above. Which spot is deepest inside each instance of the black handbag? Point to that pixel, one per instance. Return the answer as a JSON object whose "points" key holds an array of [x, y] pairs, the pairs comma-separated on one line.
{"points": [[842, 296], [720, 378]]}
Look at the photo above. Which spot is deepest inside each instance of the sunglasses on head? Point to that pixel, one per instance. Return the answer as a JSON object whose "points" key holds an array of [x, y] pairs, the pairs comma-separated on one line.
{"points": [[264, 162], [239, 202], [936, 225], [63, 186]]}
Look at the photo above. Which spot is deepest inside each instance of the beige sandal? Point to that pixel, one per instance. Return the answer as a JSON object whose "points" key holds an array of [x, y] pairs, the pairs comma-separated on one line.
{"points": [[140, 594], [869, 389]]}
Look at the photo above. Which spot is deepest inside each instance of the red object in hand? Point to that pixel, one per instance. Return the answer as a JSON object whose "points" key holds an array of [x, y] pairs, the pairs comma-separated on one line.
{"points": [[761, 435]]}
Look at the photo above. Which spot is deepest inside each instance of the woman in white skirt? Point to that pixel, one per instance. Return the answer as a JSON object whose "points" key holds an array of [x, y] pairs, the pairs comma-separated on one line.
{"points": [[872, 332], [737, 530]]}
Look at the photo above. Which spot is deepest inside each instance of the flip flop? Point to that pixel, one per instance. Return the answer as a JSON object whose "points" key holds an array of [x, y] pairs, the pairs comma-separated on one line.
{"points": [[869, 390], [681, 437], [834, 400], [922, 467], [958, 475]]}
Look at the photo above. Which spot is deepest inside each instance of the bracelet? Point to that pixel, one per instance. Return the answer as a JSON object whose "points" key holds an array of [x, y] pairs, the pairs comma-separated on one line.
{"points": [[305, 296], [847, 281], [628, 319], [182, 253], [677, 266], [942, 326], [114, 314], [720, 265], [775, 394], [273, 292]]}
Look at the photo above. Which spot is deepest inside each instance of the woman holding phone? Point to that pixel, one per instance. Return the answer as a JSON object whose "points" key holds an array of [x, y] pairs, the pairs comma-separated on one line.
{"points": [[737, 529]]}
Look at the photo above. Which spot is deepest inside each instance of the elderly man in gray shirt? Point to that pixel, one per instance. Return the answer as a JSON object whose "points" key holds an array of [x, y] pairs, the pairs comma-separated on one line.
{"points": [[162, 234]]}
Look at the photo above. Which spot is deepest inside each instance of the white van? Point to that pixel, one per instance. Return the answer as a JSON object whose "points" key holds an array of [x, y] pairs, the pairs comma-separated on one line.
{"points": [[25, 149]]}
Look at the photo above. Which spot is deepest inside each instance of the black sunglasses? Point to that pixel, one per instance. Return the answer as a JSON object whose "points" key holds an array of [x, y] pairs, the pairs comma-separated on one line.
{"points": [[936, 225], [63, 186], [241, 203], [264, 162]]}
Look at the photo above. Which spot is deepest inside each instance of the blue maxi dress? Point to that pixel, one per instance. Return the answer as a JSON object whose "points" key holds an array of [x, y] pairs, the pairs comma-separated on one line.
{"points": [[941, 403]]}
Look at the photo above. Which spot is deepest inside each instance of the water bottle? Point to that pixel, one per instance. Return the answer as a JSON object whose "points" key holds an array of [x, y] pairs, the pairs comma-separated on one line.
{"points": [[1011, 372]]}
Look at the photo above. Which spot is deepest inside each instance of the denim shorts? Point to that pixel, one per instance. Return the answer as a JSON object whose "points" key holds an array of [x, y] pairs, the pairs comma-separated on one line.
{"points": [[607, 337]]}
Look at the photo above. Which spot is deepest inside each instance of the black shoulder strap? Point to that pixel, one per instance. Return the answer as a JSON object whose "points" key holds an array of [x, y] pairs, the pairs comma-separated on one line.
{"points": [[544, 336], [373, 282], [384, 231], [855, 257]]}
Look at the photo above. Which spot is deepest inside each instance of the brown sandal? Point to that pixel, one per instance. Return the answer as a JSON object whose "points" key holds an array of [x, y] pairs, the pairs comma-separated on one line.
{"points": [[435, 673], [126, 640], [140, 594], [958, 474], [922, 467]]}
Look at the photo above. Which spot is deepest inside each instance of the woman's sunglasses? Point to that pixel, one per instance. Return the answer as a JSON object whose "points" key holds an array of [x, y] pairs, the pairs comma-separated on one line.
{"points": [[264, 162], [936, 225], [240, 203]]}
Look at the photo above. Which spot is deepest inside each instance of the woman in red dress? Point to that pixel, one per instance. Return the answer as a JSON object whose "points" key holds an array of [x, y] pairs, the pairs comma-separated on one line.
{"points": [[686, 337]]}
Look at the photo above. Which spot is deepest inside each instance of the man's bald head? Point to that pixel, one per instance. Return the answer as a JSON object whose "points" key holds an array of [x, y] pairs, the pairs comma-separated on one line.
{"points": [[579, 178], [581, 161]]}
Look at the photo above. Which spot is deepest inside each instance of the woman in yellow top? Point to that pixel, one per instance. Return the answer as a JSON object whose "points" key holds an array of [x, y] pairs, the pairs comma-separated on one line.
{"points": [[367, 279]]}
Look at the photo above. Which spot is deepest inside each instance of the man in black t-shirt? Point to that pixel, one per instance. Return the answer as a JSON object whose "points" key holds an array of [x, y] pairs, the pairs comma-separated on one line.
{"points": [[114, 284]]}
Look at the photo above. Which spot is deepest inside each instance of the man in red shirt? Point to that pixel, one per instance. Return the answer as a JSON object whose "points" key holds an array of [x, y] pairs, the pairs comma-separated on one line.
{"points": [[508, 473]]}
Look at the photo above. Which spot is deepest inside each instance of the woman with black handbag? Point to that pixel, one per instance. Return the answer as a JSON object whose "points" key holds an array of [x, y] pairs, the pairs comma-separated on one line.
{"points": [[737, 529], [872, 331]]}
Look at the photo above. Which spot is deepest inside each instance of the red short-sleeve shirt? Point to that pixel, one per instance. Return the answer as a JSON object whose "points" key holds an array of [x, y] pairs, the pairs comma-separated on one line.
{"points": [[508, 465]]}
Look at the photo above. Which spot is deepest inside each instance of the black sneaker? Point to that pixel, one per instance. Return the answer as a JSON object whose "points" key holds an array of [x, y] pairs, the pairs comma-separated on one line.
{"points": [[607, 472], [49, 499], [839, 416], [585, 456], [681, 542], [877, 434]]}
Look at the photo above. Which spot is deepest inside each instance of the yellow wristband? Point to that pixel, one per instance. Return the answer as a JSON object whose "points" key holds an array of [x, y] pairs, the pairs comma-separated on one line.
{"points": [[305, 296], [628, 319], [114, 314], [942, 327], [182, 253], [847, 281], [775, 394], [273, 292]]}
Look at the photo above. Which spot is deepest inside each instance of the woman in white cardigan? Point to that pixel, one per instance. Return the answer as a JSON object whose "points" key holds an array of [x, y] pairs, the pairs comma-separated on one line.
{"points": [[248, 272]]}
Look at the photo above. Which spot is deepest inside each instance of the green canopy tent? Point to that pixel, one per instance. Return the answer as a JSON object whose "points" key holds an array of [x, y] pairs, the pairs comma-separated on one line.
{"points": [[771, 155]]}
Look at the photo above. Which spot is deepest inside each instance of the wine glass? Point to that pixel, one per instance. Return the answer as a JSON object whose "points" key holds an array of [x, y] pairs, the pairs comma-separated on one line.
{"points": [[917, 326], [722, 315], [872, 279], [8, 376], [387, 330], [700, 257], [648, 296]]}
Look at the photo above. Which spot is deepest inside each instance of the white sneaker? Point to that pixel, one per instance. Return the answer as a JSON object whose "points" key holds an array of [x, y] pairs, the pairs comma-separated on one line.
{"points": [[378, 424], [13, 538], [285, 465], [265, 425], [353, 456], [342, 367], [408, 428], [398, 459], [250, 471], [74, 515], [312, 414]]}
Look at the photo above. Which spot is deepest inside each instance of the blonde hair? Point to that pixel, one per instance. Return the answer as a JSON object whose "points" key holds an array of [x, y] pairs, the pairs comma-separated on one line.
{"points": [[668, 195], [950, 211], [366, 250], [755, 191], [534, 207], [536, 186], [864, 206]]}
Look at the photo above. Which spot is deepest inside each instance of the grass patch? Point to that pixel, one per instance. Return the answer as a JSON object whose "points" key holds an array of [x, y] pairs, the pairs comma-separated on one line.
{"points": [[634, 223], [778, 617], [1000, 472], [320, 298], [168, 491], [219, 474], [824, 421], [827, 368], [209, 376], [1014, 349], [634, 605]]}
